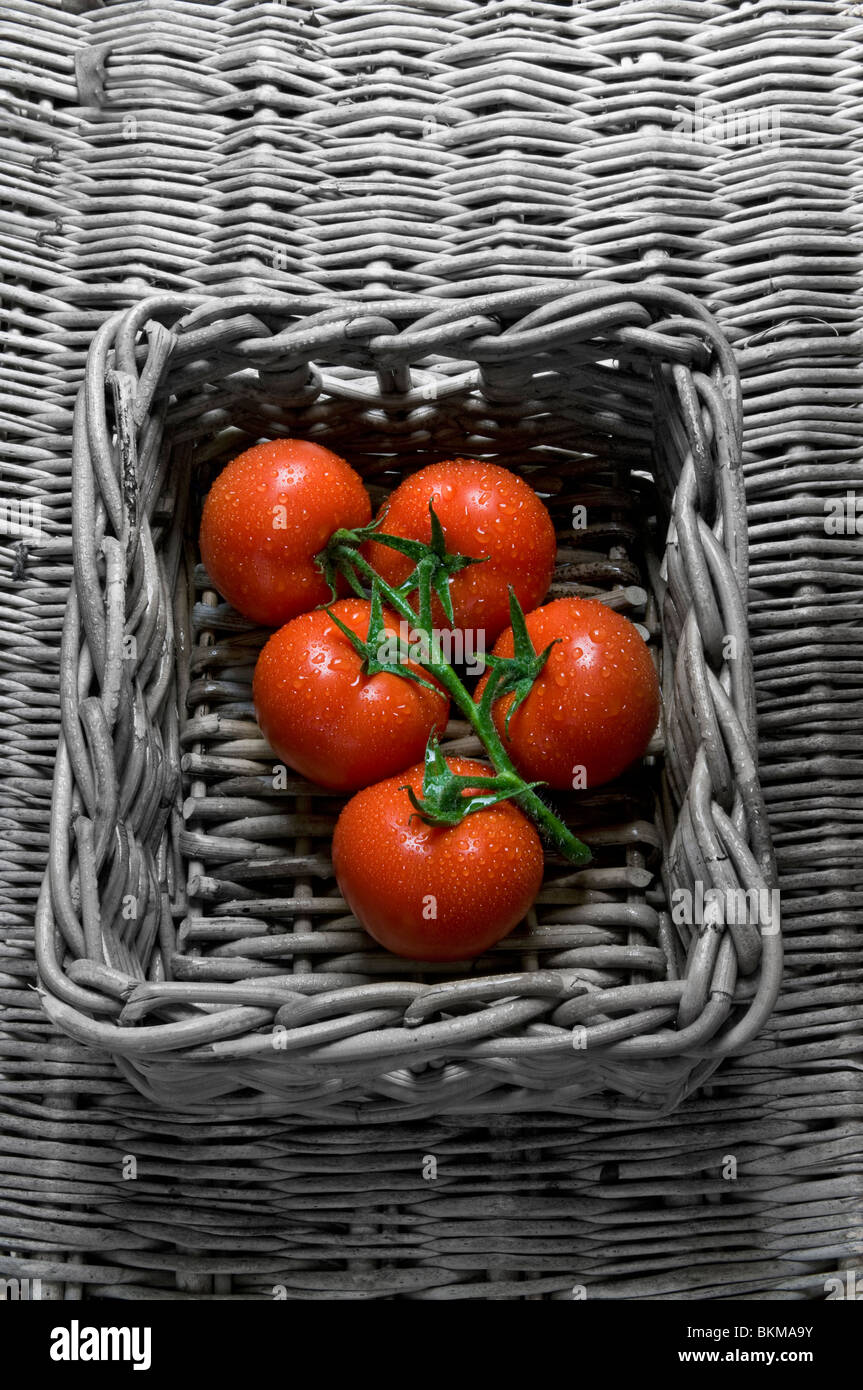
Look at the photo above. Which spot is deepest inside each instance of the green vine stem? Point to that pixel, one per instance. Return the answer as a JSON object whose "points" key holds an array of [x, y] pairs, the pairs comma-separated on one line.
{"points": [[433, 567]]}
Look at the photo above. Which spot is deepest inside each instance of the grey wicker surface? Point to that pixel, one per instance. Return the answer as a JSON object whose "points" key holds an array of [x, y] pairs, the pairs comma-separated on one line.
{"points": [[137, 175]]}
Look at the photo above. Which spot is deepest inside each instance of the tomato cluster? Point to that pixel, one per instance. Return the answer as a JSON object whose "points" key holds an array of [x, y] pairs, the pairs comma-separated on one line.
{"points": [[440, 880]]}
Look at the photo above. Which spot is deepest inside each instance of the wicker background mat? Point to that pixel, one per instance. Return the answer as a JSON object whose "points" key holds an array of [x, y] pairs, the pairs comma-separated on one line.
{"points": [[362, 146]]}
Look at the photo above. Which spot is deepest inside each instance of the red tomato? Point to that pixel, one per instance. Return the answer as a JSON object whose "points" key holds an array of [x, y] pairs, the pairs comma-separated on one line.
{"points": [[267, 515], [435, 892], [485, 511], [595, 703], [328, 720]]}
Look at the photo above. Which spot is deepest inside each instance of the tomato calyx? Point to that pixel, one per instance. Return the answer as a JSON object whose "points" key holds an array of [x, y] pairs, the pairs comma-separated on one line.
{"points": [[443, 800], [433, 564], [517, 673], [369, 651]]}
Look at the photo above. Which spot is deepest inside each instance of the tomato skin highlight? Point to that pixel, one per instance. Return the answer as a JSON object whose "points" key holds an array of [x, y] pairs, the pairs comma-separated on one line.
{"points": [[595, 703], [261, 559], [485, 510], [328, 720], [479, 877]]}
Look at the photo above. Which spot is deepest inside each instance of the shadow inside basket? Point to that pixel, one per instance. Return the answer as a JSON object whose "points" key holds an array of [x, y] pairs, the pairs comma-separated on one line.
{"points": [[261, 898]]}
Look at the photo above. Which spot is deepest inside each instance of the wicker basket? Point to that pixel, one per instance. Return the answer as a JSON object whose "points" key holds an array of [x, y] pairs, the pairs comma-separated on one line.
{"points": [[189, 921]]}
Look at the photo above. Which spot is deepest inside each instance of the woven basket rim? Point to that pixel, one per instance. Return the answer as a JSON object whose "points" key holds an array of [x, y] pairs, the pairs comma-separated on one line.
{"points": [[385, 333]]}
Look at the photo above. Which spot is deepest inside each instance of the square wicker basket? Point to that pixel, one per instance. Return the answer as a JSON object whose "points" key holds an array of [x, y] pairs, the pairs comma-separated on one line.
{"points": [[189, 921]]}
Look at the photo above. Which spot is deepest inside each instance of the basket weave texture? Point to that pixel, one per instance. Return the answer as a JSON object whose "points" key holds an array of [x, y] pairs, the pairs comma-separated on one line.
{"points": [[159, 147], [191, 925]]}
